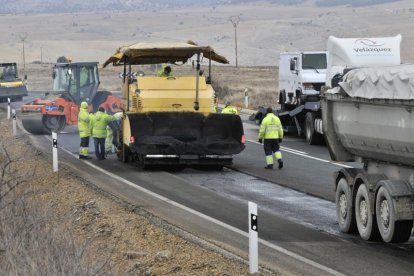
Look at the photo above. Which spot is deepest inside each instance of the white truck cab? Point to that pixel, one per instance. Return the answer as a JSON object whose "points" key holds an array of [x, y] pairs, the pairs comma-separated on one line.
{"points": [[301, 74]]}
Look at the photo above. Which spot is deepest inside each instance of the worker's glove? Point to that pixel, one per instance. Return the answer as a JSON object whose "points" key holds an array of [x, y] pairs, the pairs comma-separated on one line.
{"points": [[260, 140], [280, 140]]}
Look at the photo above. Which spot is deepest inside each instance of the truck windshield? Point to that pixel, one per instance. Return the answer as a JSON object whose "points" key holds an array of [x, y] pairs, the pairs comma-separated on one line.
{"points": [[314, 61], [62, 78]]}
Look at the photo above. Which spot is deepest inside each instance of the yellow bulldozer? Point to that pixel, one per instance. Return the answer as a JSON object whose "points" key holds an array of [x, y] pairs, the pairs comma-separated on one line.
{"points": [[172, 120]]}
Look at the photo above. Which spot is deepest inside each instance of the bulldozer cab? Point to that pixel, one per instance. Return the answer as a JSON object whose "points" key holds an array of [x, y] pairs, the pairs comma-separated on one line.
{"points": [[76, 82]]}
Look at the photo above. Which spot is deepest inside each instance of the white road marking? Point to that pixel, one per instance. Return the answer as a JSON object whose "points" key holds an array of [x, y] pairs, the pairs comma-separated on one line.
{"points": [[208, 218], [304, 154]]}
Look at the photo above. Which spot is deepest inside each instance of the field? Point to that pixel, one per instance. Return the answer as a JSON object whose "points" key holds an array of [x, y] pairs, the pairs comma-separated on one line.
{"points": [[229, 82], [263, 32]]}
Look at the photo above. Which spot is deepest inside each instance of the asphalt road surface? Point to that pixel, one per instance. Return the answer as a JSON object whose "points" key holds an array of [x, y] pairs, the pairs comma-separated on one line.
{"points": [[296, 213]]}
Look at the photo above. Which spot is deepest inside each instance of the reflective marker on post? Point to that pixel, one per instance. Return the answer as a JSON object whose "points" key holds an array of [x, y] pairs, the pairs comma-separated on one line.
{"points": [[8, 108], [14, 121], [253, 239], [55, 152]]}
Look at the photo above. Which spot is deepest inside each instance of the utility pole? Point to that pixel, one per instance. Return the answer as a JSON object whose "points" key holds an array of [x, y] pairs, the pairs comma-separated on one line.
{"points": [[235, 21], [23, 37]]}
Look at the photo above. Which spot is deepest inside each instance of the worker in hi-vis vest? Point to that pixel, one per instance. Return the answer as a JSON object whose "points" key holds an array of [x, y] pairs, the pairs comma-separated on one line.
{"points": [[84, 131], [271, 134], [229, 109]]}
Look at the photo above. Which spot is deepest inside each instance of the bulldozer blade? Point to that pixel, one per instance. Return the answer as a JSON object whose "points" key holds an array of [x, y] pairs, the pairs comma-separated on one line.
{"points": [[178, 133], [33, 123]]}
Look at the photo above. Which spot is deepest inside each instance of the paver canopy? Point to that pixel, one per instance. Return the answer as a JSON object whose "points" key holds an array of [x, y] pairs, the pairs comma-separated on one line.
{"points": [[161, 52]]}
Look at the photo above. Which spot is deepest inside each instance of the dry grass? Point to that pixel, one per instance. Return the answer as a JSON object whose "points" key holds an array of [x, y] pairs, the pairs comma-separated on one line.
{"points": [[229, 82]]}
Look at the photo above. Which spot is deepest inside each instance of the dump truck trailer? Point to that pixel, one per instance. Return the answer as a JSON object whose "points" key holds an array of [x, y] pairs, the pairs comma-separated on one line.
{"points": [[171, 120], [368, 117]]}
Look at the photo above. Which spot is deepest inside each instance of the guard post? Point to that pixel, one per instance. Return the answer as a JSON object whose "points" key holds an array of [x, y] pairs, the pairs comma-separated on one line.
{"points": [[246, 98], [8, 108], [55, 152], [14, 121], [253, 239]]}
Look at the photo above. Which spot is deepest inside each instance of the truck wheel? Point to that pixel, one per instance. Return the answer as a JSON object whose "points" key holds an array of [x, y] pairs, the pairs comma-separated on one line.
{"points": [[312, 137], [344, 212], [124, 154], [391, 231], [282, 99], [54, 123], [258, 119], [366, 222]]}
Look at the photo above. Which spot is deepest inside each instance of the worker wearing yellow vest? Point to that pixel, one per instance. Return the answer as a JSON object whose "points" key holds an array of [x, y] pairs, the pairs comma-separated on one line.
{"points": [[111, 133], [229, 109], [98, 123], [271, 134], [84, 131]]}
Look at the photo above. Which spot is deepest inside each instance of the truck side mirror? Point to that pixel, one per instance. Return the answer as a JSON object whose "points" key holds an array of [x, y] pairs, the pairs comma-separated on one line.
{"points": [[25, 77], [293, 64]]}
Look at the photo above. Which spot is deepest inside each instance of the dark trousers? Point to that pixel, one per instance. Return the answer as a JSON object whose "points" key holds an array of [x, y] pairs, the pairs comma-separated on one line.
{"points": [[99, 148], [270, 146], [84, 142]]}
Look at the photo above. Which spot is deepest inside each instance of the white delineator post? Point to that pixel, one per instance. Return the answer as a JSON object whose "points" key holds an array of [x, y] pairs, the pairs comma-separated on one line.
{"points": [[246, 98], [14, 121], [8, 108], [253, 239], [55, 152]]}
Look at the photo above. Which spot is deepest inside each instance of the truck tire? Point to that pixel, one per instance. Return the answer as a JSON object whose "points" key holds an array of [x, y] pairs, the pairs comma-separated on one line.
{"points": [[391, 231], [344, 210], [365, 220], [258, 119], [54, 123], [124, 153], [312, 137], [282, 99]]}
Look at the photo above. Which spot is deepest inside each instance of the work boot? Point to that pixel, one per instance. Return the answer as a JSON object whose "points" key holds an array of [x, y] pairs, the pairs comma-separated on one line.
{"points": [[87, 157], [280, 163], [269, 167]]}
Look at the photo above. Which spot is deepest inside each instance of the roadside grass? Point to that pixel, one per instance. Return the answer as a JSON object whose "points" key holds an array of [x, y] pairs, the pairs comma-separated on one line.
{"points": [[32, 240]]}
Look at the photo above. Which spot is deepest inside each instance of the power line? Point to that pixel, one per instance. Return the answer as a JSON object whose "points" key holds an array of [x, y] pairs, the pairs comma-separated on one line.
{"points": [[23, 37], [235, 21]]}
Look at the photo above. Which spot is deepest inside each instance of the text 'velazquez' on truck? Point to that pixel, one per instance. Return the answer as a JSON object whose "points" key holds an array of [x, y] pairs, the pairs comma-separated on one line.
{"points": [[368, 117]]}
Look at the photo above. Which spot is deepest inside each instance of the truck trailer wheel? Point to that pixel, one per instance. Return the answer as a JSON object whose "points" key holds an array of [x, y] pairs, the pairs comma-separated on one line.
{"points": [[344, 210], [391, 231], [258, 119], [365, 220], [54, 123], [312, 137]]}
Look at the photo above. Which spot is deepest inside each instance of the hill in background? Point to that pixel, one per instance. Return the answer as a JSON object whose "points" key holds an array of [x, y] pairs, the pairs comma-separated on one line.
{"points": [[93, 30], [65, 6]]}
